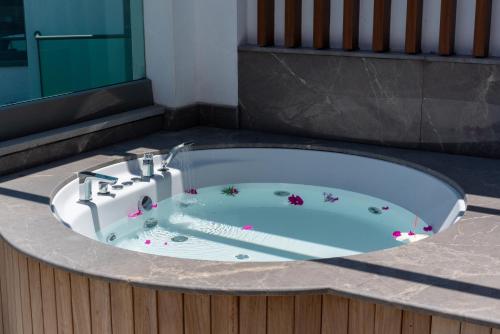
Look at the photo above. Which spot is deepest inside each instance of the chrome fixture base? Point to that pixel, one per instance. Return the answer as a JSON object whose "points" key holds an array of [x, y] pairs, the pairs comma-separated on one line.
{"points": [[85, 183]]}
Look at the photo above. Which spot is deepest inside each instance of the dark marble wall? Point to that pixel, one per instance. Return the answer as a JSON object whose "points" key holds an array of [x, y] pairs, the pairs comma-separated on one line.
{"points": [[412, 102], [461, 108]]}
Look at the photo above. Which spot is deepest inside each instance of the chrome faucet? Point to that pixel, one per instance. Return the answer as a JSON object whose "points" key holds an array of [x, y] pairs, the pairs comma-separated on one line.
{"points": [[85, 183], [147, 166], [171, 155]]}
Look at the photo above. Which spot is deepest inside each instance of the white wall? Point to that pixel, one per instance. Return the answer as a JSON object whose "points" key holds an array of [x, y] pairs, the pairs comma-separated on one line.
{"points": [[217, 51], [464, 30], [398, 26], [160, 56], [336, 24], [191, 50], [430, 26], [495, 29]]}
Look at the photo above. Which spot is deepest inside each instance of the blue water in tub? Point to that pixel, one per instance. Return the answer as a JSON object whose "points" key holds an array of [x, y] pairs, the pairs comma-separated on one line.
{"points": [[264, 222]]}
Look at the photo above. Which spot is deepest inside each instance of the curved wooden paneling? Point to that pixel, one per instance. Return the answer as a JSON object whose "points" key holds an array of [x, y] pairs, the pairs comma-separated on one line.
{"points": [[38, 299]]}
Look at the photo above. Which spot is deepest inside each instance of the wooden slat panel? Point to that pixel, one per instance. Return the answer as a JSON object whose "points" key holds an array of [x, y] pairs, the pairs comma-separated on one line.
{"points": [[48, 299], [280, 314], [170, 313], [197, 314], [416, 323], [15, 304], [3, 297], [350, 34], [80, 304], [381, 25], [293, 23], [482, 28], [495, 331], [447, 27], [468, 328], [224, 313], [25, 293], [122, 308], [413, 42], [253, 314], [63, 302], [4, 289], [388, 320], [308, 314], [335, 315], [100, 306], [145, 313], [361, 317], [11, 322], [321, 34], [265, 22], [441, 325], [35, 296]]}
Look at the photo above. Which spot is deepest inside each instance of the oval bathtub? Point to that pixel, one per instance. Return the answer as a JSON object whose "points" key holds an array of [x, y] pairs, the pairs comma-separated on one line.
{"points": [[263, 204]]}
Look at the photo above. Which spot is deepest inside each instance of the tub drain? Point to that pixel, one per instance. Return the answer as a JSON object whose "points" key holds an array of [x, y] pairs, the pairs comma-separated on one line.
{"points": [[179, 238], [111, 237], [150, 223], [242, 257], [282, 193], [374, 210]]}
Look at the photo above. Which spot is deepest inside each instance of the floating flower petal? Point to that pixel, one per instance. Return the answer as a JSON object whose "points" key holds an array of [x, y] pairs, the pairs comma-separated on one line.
{"points": [[428, 228], [192, 191], [230, 191], [247, 227], [135, 214], [396, 234], [328, 197], [147, 242], [295, 200]]}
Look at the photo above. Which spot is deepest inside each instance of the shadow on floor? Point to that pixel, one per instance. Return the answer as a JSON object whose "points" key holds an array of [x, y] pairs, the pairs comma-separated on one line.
{"points": [[415, 277]]}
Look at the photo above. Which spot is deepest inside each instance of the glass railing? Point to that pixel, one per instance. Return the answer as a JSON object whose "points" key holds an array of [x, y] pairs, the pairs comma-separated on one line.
{"points": [[13, 51], [72, 63], [55, 47]]}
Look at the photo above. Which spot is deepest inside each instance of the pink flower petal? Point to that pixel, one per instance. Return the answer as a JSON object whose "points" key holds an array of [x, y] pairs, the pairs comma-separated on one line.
{"points": [[147, 242], [248, 227], [396, 234], [295, 200], [135, 214], [411, 233], [428, 228], [155, 205]]}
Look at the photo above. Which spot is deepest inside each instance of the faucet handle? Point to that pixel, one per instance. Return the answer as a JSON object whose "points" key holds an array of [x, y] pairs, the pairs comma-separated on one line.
{"points": [[164, 166], [103, 188]]}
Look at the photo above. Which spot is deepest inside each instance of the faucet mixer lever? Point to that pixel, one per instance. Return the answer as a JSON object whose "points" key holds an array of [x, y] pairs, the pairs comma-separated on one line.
{"points": [[85, 183], [147, 167]]}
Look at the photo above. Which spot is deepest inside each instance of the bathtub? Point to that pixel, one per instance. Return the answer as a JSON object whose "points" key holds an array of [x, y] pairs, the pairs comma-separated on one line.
{"points": [[425, 194]]}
